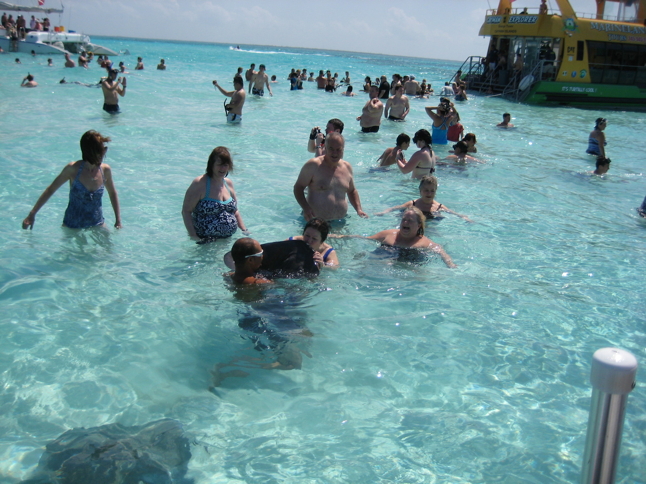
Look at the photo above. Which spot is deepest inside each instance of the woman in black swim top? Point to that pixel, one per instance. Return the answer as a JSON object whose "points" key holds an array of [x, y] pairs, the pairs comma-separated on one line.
{"points": [[426, 201], [409, 235]]}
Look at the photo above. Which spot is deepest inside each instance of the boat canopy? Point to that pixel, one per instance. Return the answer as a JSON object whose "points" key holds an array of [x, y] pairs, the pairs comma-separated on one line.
{"points": [[21, 8]]}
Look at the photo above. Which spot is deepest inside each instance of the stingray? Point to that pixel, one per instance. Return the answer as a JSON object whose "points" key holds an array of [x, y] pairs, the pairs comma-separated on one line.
{"points": [[155, 453]]}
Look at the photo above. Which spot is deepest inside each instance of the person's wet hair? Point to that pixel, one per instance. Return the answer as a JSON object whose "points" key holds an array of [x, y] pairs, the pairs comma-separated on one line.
{"points": [[421, 219], [223, 155], [237, 80], [349, 88], [337, 123], [319, 224], [423, 135], [461, 146], [402, 138], [505, 115], [469, 137], [243, 248], [93, 147], [428, 180], [598, 122]]}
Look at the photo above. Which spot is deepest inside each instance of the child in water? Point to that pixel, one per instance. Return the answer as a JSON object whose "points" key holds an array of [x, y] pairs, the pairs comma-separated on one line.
{"points": [[247, 257]]}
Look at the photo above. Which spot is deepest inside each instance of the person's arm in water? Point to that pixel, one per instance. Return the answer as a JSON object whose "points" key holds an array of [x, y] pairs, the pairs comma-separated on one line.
{"points": [[437, 248], [387, 108], [267, 84], [353, 197], [238, 216], [191, 198], [448, 210], [407, 110], [398, 207], [114, 197], [302, 182], [68, 173]]}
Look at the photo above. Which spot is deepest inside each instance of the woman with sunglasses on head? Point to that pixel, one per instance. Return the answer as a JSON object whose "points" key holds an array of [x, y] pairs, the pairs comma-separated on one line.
{"points": [[210, 209], [88, 178], [597, 139]]}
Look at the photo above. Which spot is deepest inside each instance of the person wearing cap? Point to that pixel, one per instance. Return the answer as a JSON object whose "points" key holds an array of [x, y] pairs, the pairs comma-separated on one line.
{"points": [[422, 162], [597, 139], [112, 90], [603, 165], [411, 87]]}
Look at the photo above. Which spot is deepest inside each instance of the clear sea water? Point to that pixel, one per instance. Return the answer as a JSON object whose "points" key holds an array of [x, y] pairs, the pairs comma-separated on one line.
{"points": [[417, 374]]}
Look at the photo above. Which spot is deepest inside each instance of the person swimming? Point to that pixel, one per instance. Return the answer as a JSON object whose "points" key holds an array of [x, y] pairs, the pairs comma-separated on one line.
{"points": [[426, 201], [409, 235]]}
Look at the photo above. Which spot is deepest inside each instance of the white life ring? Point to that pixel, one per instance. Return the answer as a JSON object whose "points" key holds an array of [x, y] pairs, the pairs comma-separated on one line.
{"points": [[526, 82]]}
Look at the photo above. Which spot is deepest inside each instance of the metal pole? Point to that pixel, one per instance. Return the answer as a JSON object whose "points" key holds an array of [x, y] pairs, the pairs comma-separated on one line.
{"points": [[613, 378]]}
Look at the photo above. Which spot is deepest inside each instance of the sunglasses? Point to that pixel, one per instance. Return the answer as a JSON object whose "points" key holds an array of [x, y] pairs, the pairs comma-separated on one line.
{"points": [[259, 254]]}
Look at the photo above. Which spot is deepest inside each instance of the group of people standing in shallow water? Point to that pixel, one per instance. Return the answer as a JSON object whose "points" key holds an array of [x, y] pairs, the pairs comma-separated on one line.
{"points": [[210, 208]]}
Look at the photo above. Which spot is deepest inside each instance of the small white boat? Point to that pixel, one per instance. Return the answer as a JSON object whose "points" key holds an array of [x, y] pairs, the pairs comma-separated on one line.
{"points": [[47, 43], [57, 41]]}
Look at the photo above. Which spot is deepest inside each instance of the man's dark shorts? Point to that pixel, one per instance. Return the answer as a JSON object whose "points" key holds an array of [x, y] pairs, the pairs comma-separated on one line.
{"points": [[371, 129], [111, 108]]}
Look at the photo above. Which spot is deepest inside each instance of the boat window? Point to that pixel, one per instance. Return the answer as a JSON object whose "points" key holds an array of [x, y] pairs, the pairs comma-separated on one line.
{"points": [[614, 63], [580, 50]]}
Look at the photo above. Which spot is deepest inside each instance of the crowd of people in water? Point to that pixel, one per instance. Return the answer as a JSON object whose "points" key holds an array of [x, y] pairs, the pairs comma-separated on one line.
{"points": [[323, 187]]}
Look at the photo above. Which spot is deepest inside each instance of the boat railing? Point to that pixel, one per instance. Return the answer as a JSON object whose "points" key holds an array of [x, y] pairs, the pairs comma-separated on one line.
{"points": [[520, 85], [472, 66], [579, 15]]}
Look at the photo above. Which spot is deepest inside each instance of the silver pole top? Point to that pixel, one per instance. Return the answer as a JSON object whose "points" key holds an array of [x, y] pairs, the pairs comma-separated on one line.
{"points": [[613, 371]]}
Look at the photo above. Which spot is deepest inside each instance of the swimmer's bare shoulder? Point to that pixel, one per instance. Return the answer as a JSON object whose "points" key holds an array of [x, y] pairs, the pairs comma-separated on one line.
{"points": [[248, 280]]}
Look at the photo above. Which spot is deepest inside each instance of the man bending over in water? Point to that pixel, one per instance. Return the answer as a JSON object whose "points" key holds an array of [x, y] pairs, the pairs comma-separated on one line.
{"points": [[238, 96], [259, 81], [328, 179]]}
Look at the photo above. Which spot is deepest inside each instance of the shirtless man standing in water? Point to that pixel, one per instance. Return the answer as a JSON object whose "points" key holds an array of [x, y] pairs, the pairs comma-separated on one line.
{"points": [[370, 118], [112, 91], [397, 106], [259, 81], [328, 180], [234, 108]]}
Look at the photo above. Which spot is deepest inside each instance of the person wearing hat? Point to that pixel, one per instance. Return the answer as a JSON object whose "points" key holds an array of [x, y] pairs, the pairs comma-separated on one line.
{"points": [[112, 90], [597, 139], [422, 162]]}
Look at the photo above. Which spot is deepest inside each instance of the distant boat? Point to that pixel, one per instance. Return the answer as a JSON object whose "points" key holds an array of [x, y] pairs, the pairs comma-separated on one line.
{"points": [[57, 41]]}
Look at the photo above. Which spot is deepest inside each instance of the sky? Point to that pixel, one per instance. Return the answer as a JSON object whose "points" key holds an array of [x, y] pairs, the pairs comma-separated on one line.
{"points": [[420, 28]]}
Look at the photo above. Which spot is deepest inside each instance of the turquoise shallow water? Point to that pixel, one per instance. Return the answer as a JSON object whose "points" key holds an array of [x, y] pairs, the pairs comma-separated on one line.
{"points": [[417, 373]]}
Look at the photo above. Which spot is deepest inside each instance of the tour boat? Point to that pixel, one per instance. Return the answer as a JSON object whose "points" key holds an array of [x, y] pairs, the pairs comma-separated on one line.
{"points": [[57, 41], [540, 56]]}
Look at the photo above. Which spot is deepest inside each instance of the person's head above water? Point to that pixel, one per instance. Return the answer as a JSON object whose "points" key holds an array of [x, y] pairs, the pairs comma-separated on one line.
{"points": [[315, 233], [600, 122], [470, 137], [603, 164], [428, 181], [460, 148], [423, 135], [403, 139], [93, 147], [415, 216], [221, 156], [245, 249], [334, 125]]}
